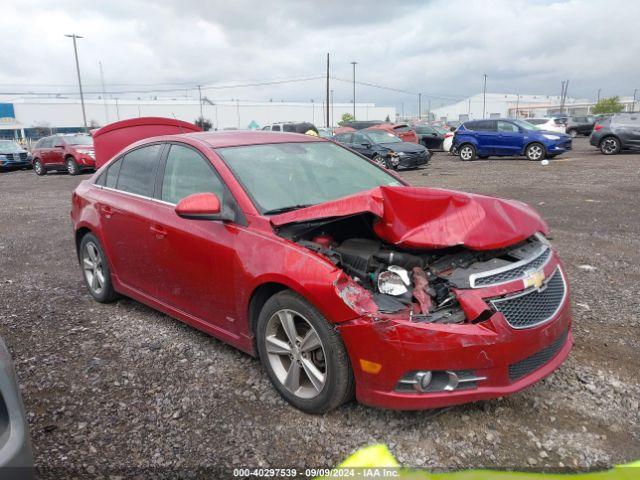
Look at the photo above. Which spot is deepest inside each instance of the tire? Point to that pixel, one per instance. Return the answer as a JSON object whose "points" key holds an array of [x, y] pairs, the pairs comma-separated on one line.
{"points": [[72, 166], [327, 362], [467, 152], [610, 146], [572, 132], [94, 265], [380, 160], [39, 168], [535, 151]]}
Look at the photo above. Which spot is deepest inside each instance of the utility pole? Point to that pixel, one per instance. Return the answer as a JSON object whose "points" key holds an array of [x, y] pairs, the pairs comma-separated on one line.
{"points": [[200, 101], [484, 97], [327, 122], [117, 110], [104, 94], [429, 111], [517, 105], [313, 112], [633, 105], [75, 51], [599, 94], [419, 106], [354, 89], [469, 109], [332, 111]]}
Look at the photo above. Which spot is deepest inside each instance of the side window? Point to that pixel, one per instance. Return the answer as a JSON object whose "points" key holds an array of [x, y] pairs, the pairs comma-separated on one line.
{"points": [[345, 138], [507, 127], [46, 142], [187, 172], [287, 127], [359, 139], [275, 128], [111, 176], [485, 126], [137, 170]]}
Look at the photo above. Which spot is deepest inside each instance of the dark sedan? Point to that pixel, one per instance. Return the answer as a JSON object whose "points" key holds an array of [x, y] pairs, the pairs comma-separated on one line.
{"points": [[430, 137], [384, 148]]}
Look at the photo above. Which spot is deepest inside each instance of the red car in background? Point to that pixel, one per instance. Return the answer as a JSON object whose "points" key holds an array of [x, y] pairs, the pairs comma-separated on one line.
{"points": [[73, 153], [337, 274], [402, 130]]}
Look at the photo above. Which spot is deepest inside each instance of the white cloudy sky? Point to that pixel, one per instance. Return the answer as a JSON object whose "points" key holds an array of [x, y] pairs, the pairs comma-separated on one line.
{"points": [[439, 47]]}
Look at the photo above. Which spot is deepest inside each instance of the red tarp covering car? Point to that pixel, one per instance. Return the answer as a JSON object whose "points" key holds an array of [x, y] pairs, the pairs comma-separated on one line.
{"points": [[112, 138], [414, 217]]}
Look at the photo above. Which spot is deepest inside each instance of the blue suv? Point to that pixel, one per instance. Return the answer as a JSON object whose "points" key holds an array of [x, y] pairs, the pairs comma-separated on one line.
{"points": [[507, 137]]}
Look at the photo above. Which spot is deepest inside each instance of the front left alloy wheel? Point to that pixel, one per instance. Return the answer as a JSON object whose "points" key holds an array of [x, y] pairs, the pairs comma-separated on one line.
{"points": [[95, 269], [535, 151], [303, 354]]}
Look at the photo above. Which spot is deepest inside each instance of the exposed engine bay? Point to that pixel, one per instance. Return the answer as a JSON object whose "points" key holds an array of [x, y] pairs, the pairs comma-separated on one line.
{"points": [[426, 283]]}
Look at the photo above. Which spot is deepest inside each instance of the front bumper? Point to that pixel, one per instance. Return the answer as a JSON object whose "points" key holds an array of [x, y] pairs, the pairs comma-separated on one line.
{"points": [[490, 350], [86, 162], [559, 147], [412, 161]]}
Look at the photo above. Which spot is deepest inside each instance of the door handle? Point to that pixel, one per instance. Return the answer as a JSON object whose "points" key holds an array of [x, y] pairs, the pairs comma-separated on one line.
{"points": [[106, 212], [159, 231]]}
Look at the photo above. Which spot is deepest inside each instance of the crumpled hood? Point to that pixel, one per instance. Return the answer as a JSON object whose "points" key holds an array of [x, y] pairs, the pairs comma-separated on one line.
{"points": [[429, 218]]}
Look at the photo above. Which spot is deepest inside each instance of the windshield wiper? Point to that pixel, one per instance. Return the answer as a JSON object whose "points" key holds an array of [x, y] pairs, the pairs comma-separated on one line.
{"points": [[275, 211]]}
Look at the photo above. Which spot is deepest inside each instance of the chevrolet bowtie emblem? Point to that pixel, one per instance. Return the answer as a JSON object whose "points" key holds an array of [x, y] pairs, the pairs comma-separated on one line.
{"points": [[534, 279]]}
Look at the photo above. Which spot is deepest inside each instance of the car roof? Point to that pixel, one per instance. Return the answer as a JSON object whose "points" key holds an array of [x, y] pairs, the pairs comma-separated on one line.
{"points": [[241, 138]]}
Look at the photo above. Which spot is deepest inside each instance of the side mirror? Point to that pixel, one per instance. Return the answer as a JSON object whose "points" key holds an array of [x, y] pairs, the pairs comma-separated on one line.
{"points": [[366, 145], [201, 206]]}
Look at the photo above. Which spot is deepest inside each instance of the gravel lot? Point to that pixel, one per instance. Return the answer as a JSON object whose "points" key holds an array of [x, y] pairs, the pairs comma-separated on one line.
{"points": [[116, 386]]}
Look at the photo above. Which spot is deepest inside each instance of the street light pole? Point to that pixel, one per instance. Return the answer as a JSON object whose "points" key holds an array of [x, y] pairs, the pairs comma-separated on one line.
{"points": [[484, 97], [419, 106], [354, 89], [75, 51], [200, 98], [633, 105]]}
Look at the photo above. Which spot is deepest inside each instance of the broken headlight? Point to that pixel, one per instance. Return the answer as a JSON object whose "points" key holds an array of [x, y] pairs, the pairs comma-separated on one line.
{"points": [[394, 281]]}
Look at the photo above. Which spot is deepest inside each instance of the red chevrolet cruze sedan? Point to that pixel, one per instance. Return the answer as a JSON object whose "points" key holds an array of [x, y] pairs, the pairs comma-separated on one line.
{"points": [[338, 275]]}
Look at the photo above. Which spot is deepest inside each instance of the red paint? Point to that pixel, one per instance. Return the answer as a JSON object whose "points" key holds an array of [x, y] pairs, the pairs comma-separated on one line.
{"points": [[198, 204], [401, 130], [416, 217], [204, 272], [112, 138]]}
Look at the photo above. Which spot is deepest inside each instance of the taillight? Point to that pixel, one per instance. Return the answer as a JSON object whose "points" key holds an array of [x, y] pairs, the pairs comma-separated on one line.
{"points": [[598, 127]]}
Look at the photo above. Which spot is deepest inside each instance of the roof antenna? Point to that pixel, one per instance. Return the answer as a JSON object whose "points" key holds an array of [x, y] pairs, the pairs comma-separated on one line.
{"points": [[179, 126]]}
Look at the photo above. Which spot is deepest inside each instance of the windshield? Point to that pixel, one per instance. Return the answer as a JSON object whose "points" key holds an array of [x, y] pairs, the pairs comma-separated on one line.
{"points": [[9, 145], [78, 140], [379, 136], [284, 176], [537, 121]]}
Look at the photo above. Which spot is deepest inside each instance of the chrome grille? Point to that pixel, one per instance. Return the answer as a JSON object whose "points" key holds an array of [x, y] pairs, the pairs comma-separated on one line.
{"points": [[512, 272], [533, 307], [524, 367]]}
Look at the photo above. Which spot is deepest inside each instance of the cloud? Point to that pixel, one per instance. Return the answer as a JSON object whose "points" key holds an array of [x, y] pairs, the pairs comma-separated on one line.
{"points": [[441, 48]]}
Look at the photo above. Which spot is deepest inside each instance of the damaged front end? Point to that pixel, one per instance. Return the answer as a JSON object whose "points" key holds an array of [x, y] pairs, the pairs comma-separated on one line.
{"points": [[441, 323]]}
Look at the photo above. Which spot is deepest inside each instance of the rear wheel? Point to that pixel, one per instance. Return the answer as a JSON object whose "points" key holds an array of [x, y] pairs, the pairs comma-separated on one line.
{"points": [[95, 269], [610, 145], [535, 152], [38, 167], [303, 354], [72, 166], [467, 152]]}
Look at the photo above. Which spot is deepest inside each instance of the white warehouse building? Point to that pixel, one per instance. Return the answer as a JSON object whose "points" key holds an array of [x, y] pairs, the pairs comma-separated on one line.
{"points": [[30, 117], [507, 105]]}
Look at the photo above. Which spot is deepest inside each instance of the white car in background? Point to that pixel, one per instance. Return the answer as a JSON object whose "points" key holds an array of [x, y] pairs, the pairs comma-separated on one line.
{"points": [[552, 124], [448, 141]]}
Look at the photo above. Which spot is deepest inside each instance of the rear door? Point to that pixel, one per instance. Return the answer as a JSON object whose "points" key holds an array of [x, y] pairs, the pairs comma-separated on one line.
{"points": [[195, 260], [486, 136], [55, 157], [430, 137], [127, 211], [45, 150], [509, 140], [631, 128]]}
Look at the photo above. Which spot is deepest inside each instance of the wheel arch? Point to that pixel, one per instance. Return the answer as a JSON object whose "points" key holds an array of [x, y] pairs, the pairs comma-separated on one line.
{"points": [[79, 235], [259, 297], [531, 142], [609, 135]]}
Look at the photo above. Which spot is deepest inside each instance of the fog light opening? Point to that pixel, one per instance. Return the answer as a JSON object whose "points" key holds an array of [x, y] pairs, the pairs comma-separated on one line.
{"points": [[422, 381]]}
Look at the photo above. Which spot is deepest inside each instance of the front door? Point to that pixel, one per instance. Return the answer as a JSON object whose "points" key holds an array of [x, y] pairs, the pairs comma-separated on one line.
{"points": [[196, 261], [509, 140]]}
